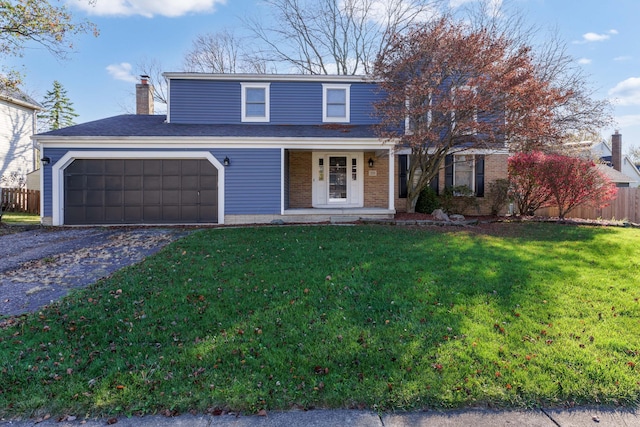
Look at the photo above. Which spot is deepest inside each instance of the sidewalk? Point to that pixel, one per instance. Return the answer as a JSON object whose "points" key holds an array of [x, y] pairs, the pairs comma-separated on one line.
{"points": [[579, 417]]}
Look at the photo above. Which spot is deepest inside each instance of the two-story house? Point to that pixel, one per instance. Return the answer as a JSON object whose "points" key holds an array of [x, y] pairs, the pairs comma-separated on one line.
{"points": [[232, 149]]}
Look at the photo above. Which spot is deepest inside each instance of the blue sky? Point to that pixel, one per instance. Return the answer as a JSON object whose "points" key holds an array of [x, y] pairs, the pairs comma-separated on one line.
{"points": [[603, 35]]}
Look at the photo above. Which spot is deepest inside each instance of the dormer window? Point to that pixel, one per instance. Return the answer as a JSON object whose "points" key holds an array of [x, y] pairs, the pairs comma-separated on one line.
{"points": [[255, 102], [336, 103]]}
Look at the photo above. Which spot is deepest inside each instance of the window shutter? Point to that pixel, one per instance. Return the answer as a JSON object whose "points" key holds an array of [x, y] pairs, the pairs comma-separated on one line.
{"points": [[448, 171], [479, 175], [435, 184], [403, 161]]}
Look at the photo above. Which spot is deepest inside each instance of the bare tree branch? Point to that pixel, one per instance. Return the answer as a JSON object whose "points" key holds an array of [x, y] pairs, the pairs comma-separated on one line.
{"points": [[223, 52], [335, 36]]}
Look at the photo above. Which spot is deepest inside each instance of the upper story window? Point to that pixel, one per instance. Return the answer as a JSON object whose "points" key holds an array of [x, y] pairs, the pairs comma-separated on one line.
{"points": [[336, 103], [419, 113], [462, 97], [255, 102]]}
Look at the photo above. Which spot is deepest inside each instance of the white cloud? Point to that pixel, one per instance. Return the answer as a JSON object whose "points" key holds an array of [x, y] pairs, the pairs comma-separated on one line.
{"points": [[584, 61], [622, 58], [122, 71], [147, 8], [595, 37], [627, 92]]}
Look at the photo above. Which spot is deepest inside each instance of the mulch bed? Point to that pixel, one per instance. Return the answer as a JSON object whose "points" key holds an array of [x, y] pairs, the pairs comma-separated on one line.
{"points": [[403, 216]]}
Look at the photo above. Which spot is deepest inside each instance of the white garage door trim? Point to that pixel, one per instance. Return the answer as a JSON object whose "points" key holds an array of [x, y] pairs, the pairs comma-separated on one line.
{"points": [[57, 173]]}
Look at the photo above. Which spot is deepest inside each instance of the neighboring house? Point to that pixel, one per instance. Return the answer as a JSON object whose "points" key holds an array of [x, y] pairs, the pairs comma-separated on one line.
{"points": [[618, 167], [237, 148], [18, 156]]}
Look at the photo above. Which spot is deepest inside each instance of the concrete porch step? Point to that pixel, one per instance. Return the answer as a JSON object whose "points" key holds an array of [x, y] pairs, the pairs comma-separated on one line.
{"points": [[341, 219]]}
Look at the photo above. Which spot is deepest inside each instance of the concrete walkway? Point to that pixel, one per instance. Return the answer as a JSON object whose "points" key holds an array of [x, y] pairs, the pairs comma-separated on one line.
{"points": [[578, 417]]}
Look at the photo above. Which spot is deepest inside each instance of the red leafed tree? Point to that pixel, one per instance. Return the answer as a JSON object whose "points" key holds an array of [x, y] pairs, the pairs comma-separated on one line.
{"points": [[574, 181], [527, 190], [451, 87], [539, 180]]}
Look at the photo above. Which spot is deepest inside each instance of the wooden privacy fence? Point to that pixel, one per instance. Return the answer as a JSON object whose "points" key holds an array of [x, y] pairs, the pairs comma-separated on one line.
{"points": [[626, 206], [19, 200]]}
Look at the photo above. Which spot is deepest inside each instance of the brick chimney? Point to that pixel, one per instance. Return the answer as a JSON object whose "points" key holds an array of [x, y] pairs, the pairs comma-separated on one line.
{"points": [[616, 151], [144, 96]]}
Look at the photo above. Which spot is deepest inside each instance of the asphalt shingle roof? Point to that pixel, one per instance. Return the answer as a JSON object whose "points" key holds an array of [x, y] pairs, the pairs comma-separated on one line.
{"points": [[19, 96], [156, 126]]}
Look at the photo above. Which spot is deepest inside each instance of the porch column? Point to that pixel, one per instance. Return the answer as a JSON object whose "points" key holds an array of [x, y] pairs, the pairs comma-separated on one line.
{"points": [[392, 180], [283, 170]]}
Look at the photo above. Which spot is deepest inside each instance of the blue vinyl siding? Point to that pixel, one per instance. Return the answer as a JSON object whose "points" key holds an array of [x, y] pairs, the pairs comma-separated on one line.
{"points": [[363, 98], [252, 180], [296, 103], [291, 103], [54, 154], [205, 102]]}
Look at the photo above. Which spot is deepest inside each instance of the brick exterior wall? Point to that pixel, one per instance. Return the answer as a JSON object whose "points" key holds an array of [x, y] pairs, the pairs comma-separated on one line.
{"points": [[300, 180], [495, 167], [376, 188]]}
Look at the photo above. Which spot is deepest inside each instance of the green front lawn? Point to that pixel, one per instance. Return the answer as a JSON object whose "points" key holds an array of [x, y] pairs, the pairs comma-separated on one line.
{"points": [[13, 218], [330, 316]]}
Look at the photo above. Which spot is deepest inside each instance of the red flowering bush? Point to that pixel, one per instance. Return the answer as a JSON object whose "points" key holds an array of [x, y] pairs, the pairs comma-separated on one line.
{"points": [[539, 180]]}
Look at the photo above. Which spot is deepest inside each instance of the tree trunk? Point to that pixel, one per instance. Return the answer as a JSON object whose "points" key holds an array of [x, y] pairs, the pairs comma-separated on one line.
{"points": [[412, 201]]}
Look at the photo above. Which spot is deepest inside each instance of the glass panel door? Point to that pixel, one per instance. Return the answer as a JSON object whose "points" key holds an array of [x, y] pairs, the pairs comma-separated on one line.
{"points": [[338, 179]]}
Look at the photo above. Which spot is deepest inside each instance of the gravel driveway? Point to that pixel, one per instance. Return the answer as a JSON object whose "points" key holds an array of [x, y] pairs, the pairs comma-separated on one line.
{"points": [[40, 266]]}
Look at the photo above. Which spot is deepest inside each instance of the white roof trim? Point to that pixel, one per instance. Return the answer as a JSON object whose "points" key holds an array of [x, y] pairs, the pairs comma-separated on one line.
{"points": [[199, 141], [266, 77], [208, 145], [20, 102]]}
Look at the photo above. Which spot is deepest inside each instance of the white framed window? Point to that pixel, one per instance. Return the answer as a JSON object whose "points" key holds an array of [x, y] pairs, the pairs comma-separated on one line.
{"points": [[418, 113], [460, 95], [464, 170], [255, 102], [336, 103]]}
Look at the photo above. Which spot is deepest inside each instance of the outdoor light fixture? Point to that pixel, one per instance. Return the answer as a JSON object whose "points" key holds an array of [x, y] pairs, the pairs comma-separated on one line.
{"points": [[226, 161], [45, 160], [370, 162]]}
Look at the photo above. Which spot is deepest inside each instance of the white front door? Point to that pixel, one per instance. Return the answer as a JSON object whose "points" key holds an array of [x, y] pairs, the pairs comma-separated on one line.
{"points": [[338, 180]]}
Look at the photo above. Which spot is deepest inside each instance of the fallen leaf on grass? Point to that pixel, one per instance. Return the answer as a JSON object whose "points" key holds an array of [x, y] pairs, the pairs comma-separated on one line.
{"points": [[39, 420]]}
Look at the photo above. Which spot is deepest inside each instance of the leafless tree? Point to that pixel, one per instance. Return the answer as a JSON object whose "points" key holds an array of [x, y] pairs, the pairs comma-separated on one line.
{"points": [[223, 52], [634, 154], [335, 36]]}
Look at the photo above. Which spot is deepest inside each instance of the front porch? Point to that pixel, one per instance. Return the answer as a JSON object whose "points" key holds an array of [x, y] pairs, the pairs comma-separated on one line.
{"points": [[339, 182]]}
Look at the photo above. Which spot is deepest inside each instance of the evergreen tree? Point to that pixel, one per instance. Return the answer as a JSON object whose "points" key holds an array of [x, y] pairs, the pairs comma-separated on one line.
{"points": [[58, 109]]}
